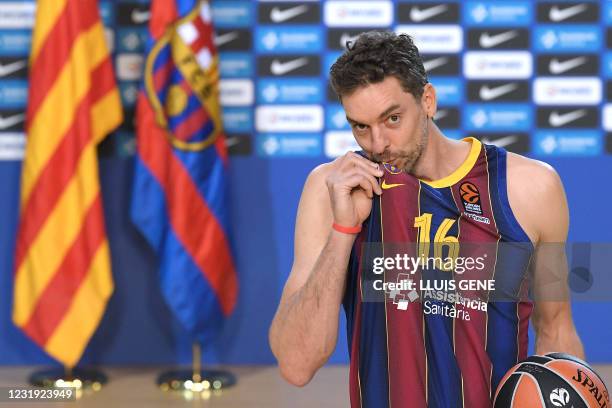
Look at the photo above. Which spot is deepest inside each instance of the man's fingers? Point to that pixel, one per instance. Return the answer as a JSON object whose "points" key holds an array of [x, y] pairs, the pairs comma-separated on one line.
{"points": [[352, 164], [370, 167], [365, 177], [373, 181], [360, 180], [355, 160]]}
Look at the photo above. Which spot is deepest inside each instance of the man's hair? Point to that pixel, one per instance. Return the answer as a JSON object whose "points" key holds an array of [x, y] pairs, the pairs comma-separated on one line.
{"points": [[374, 56]]}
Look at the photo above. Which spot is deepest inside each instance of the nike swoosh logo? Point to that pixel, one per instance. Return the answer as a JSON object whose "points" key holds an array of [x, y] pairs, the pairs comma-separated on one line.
{"points": [[501, 142], [556, 120], [417, 15], [488, 41], [386, 186], [344, 38], [225, 38], [434, 63], [556, 14], [488, 94], [12, 67], [278, 16], [557, 67], [281, 68], [140, 17], [9, 121]]}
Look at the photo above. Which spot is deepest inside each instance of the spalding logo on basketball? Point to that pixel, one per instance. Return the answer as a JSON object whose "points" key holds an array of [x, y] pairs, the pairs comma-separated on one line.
{"points": [[553, 380]]}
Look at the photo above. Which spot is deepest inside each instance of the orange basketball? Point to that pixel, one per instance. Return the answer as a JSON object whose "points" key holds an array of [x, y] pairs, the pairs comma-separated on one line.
{"points": [[553, 380]]}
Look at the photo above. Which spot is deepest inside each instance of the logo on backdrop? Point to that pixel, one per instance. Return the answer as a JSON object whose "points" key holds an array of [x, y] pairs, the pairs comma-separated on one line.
{"points": [[426, 13], [290, 65], [516, 142], [568, 64], [289, 13]]}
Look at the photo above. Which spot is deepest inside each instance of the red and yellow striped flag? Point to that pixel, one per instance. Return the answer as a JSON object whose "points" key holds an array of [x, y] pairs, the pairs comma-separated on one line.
{"points": [[62, 265]]}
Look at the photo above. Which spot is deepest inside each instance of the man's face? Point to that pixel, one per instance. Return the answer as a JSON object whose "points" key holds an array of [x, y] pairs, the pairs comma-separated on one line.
{"points": [[388, 123]]}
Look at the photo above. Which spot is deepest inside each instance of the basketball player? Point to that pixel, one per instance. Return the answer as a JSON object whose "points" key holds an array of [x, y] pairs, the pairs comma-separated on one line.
{"points": [[410, 183]]}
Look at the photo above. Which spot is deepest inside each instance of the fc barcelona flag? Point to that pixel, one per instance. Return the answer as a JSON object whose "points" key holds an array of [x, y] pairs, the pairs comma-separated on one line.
{"points": [[179, 198], [62, 267]]}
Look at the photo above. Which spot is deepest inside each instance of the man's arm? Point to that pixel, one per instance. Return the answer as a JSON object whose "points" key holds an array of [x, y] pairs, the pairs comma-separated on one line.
{"points": [[543, 210], [304, 331]]}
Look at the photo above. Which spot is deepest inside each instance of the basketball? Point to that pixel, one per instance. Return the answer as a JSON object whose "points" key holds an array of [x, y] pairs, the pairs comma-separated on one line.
{"points": [[552, 380]]}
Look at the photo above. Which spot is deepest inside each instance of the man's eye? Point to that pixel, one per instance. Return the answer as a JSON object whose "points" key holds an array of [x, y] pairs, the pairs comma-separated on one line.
{"points": [[360, 127], [394, 119]]}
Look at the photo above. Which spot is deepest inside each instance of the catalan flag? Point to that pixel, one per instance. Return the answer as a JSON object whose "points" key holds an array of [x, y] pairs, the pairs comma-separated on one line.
{"points": [[62, 268], [179, 198]]}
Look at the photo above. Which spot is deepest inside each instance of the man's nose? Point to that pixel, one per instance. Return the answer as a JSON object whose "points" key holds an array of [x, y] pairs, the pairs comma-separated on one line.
{"points": [[379, 140]]}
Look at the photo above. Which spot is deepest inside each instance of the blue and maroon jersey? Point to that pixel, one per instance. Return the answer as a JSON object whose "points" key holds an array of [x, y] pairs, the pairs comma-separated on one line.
{"points": [[404, 352]]}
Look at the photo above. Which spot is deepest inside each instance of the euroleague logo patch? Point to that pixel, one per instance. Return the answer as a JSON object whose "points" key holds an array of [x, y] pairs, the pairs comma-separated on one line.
{"points": [[471, 198]]}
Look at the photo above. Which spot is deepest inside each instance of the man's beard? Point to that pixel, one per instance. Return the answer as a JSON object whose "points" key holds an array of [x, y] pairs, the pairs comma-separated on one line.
{"points": [[404, 159]]}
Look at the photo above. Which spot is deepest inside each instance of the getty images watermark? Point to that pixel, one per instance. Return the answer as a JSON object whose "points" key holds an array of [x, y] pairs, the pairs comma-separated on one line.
{"points": [[440, 295], [465, 278]]}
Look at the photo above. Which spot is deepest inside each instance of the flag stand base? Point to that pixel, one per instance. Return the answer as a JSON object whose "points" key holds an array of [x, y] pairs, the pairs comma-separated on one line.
{"points": [[196, 383], [80, 379], [183, 380]]}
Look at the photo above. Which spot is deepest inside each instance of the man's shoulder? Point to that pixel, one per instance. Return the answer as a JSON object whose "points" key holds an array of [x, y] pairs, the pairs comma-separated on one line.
{"points": [[316, 182], [318, 175], [535, 192], [533, 175], [320, 172], [323, 169]]}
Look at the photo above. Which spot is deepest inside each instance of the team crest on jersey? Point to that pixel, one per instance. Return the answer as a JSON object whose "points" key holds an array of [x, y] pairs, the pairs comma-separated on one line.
{"points": [[391, 168]]}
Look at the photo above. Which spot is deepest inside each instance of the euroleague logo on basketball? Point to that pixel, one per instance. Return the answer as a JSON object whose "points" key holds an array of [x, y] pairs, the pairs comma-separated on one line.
{"points": [[559, 397]]}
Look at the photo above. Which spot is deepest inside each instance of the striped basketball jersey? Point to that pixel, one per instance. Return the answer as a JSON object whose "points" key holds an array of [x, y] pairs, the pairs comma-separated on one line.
{"points": [[414, 348]]}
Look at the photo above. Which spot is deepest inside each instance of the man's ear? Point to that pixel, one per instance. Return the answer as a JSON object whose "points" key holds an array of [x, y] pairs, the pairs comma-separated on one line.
{"points": [[429, 102]]}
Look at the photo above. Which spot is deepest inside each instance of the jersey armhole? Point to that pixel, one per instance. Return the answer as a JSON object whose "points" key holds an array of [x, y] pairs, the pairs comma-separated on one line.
{"points": [[502, 189]]}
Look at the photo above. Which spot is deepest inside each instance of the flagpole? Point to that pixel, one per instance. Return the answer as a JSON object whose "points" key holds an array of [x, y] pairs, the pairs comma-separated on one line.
{"points": [[197, 362], [196, 382]]}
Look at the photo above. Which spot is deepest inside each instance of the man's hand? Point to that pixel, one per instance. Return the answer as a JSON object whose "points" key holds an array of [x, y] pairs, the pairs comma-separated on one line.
{"points": [[352, 185]]}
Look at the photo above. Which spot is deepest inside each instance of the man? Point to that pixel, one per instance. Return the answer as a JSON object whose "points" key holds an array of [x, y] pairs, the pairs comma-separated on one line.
{"points": [[412, 184]]}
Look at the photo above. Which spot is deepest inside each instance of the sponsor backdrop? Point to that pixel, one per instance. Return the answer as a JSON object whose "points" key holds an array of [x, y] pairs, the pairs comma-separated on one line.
{"points": [[534, 77]]}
